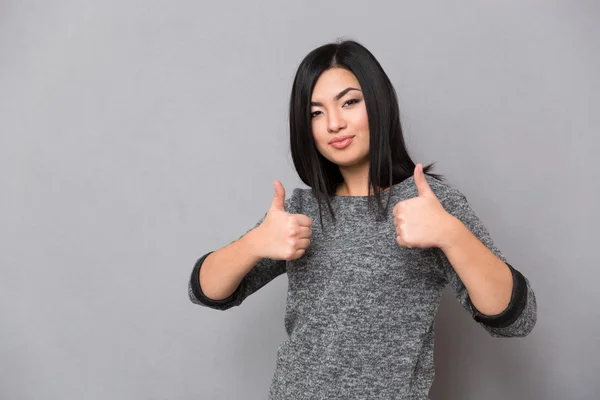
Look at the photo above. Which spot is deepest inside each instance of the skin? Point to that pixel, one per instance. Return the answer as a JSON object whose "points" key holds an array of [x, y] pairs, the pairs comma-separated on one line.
{"points": [[421, 221], [347, 115]]}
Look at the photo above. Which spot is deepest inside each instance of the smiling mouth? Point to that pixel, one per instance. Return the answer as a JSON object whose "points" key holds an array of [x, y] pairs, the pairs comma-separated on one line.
{"points": [[340, 138], [343, 143]]}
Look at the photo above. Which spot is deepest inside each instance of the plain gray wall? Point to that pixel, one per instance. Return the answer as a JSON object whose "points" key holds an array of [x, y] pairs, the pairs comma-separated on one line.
{"points": [[138, 135]]}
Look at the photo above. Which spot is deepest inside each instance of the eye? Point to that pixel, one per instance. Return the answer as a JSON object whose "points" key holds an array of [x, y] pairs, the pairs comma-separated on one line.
{"points": [[349, 102]]}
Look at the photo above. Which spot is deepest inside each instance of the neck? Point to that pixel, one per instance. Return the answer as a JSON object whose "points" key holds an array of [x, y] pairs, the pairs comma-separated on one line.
{"points": [[356, 181]]}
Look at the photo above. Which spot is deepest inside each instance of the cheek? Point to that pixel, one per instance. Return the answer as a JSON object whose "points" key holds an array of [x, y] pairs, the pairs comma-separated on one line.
{"points": [[320, 134], [363, 121]]}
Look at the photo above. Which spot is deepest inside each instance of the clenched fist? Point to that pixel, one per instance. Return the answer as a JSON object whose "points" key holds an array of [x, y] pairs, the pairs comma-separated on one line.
{"points": [[283, 236]]}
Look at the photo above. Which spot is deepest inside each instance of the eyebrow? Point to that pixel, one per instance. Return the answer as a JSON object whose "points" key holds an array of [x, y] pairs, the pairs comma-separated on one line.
{"points": [[337, 96]]}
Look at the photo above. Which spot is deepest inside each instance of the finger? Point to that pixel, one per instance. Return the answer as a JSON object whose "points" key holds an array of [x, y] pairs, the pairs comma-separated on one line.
{"points": [[278, 202], [400, 228], [299, 253], [398, 207], [305, 232], [303, 220], [402, 242], [422, 185], [303, 243], [399, 240]]}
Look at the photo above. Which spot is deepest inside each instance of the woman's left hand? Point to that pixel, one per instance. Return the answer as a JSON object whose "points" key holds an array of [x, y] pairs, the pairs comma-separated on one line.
{"points": [[421, 221]]}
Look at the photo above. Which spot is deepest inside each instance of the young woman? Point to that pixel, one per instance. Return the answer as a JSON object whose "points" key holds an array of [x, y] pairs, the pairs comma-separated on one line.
{"points": [[366, 281]]}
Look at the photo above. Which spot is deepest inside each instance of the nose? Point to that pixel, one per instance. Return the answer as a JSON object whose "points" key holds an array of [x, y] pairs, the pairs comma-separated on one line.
{"points": [[335, 122]]}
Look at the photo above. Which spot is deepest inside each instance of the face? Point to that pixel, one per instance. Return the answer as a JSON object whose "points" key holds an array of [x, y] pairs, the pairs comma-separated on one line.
{"points": [[338, 109]]}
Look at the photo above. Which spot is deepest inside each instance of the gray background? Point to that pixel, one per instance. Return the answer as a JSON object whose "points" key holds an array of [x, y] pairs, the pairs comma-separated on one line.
{"points": [[138, 135]]}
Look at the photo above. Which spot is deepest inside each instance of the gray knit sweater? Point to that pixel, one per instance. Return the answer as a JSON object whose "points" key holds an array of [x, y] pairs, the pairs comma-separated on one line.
{"points": [[360, 308]]}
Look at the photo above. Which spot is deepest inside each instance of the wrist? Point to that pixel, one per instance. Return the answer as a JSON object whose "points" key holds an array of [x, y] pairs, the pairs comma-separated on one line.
{"points": [[254, 243], [451, 230]]}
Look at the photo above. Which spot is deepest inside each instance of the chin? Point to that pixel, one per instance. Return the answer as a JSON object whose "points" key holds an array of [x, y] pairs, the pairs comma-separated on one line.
{"points": [[349, 161], [345, 158], [345, 163]]}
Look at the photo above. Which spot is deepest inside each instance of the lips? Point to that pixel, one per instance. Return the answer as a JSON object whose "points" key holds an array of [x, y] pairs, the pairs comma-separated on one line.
{"points": [[340, 138], [343, 144]]}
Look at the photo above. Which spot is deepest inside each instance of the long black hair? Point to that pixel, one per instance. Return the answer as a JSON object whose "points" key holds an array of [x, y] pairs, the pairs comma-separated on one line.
{"points": [[389, 161]]}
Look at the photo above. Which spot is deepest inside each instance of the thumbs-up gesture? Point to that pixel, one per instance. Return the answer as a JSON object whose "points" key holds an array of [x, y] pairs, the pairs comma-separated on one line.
{"points": [[421, 221], [283, 236]]}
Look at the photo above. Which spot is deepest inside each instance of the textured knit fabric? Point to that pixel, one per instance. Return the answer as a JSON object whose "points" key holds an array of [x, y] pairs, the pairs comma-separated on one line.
{"points": [[360, 307]]}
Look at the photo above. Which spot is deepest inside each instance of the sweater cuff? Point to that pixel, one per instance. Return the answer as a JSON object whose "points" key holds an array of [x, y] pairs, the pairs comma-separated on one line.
{"points": [[515, 307], [197, 290]]}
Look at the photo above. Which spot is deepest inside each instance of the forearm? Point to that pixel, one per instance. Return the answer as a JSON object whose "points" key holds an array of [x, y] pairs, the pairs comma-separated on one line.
{"points": [[487, 278], [223, 270]]}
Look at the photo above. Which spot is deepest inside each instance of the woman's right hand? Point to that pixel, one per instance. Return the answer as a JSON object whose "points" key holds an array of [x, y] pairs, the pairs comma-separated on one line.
{"points": [[283, 236]]}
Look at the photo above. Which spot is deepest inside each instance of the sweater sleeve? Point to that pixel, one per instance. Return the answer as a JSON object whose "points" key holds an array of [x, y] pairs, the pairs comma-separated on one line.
{"points": [[520, 316], [262, 273]]}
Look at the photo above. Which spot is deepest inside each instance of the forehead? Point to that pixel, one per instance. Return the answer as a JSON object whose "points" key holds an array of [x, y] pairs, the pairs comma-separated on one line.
{"points": [[333, 81]]}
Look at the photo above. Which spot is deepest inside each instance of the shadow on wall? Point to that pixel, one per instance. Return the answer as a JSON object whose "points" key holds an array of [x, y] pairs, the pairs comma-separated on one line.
{"points": [[471, 364]]}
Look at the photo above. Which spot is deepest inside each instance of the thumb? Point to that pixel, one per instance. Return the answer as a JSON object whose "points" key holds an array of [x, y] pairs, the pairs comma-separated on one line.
{"points": [[422, 185], [279, 197]]}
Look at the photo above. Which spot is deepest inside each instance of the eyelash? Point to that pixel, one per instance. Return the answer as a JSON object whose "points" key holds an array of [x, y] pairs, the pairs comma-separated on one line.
{"points": [[356, 101]]}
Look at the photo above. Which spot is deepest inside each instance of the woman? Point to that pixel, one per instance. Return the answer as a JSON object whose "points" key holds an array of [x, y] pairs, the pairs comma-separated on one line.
{"points": [[365, 283]]}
